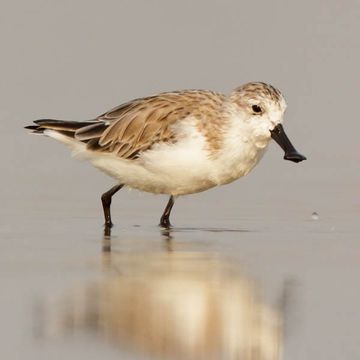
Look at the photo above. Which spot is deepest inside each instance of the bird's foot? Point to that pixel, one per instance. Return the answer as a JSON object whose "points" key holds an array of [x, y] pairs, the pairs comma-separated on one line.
{"points": [[107, 228], [165, 223]]}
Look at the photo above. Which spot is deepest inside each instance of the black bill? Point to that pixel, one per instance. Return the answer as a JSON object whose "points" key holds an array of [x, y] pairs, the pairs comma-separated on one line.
{"points": [[279, 135]]}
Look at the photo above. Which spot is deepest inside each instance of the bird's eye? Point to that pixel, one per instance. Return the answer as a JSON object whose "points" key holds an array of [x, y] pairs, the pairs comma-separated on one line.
{"points": [[256, 109]]}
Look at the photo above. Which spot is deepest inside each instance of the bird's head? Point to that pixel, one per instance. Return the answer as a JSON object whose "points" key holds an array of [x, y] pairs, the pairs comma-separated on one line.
{"points": [[261, 108]]}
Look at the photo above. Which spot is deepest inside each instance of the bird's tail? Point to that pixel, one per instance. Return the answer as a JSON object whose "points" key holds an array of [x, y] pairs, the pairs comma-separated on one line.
{"points": [[65, 127], [61, 130]]}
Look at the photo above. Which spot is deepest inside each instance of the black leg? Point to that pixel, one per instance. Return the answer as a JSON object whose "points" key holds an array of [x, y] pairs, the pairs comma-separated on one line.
{"points": [[165, 221], [106, 202]]}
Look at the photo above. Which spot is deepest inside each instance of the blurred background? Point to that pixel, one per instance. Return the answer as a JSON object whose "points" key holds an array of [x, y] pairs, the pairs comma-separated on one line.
{"points": [[77, 59]]}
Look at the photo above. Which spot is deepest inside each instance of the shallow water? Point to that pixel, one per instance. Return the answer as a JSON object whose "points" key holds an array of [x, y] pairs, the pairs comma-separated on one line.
{"points": [[68, 289]]}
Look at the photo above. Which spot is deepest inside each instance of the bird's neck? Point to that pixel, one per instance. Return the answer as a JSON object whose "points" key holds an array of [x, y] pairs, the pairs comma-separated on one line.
{"points": [[241, 151]]}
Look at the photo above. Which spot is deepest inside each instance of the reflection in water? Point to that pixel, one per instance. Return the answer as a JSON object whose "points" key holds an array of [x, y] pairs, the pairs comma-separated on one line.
{"points": [[175, 305]]}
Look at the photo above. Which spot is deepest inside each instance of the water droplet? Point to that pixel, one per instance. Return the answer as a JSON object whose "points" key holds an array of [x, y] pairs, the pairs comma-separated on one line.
{"points": [[315, 216]]}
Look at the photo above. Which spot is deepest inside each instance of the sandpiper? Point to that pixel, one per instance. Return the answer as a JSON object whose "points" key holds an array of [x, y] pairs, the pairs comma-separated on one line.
{"points": [[179, 142]]}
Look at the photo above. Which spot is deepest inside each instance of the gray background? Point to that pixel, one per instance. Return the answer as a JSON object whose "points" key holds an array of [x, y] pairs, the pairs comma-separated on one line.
{"points": [[76, 59]]}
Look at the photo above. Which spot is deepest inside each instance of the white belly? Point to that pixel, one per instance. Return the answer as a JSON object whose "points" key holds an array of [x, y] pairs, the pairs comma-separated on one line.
{"points": [[177, 169]]}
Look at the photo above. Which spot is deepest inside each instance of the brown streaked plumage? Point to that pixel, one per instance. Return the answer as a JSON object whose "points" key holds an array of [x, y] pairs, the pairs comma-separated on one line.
{"points": [[179, 142], [137, 125], [258, 89]]}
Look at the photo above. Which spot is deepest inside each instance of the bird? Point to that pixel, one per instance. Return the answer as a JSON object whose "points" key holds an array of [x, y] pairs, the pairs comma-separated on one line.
{"points": [[179, 142]]}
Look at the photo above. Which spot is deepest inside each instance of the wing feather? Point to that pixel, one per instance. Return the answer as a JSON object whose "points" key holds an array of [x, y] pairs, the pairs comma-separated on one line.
{"points": [[136, 126], [90, 132]]}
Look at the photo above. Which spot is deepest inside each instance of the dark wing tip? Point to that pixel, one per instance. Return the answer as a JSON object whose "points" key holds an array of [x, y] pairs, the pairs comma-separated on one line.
{"points": [[38, 125], [50, 121], [35, 129], [31, 127]]}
